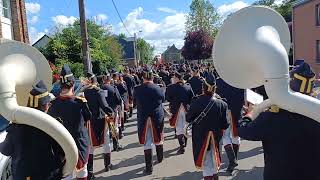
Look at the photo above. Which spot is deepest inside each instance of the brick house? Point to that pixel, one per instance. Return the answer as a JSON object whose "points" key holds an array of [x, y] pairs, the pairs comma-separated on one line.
{"points": [[306, 32], [172, 54], [13, 20]]}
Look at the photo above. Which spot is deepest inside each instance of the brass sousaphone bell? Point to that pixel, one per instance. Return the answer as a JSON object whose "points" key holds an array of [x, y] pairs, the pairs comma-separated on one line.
{"points": [[22, 66]]}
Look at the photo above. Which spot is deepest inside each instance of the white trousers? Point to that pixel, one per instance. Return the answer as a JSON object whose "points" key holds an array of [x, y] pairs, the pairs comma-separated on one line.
{"points": [[106, 147], [210, 166], [78, 173], [228, 136], [181, 121], [149, 139]]}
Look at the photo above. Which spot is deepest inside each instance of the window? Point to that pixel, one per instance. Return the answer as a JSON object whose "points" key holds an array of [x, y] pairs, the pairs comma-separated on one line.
{"points": [[318, 15], [5, 19], [5, 8], [318, 51]]}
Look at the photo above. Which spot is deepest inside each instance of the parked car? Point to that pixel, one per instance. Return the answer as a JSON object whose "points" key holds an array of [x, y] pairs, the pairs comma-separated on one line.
{"points": [[5, 161]]}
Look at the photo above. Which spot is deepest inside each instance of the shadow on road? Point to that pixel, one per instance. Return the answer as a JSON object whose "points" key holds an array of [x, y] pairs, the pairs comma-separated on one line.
{"points": [[184, 176], [136, 173], [252, 152], [252, 174]]}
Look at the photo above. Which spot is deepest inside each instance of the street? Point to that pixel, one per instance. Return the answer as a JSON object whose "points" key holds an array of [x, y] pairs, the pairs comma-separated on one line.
{"points": [[129, 163]]}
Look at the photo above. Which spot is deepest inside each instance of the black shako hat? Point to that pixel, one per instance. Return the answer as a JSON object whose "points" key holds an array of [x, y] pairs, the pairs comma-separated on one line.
{"points": [[39, 95], [302, 78], [66, 75]]}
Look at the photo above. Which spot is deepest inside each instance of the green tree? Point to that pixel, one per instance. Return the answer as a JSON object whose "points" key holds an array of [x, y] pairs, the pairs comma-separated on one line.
{"points": [[203, 16], [285, 8], [145, 50], [122, 36], [65, 47]]}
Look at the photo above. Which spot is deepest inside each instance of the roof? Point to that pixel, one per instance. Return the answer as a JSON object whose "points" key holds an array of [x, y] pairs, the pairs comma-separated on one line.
{"points": [[301, 2], [44, 36], [172, 49]]}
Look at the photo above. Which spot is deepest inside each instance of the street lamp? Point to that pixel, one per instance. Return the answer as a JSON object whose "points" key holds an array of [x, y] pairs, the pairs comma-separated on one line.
{"points": [[136, 50]]}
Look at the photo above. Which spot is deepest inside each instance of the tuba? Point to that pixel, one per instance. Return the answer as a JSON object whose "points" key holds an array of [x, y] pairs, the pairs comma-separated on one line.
{"points": [[22, 66], [251, 49]]}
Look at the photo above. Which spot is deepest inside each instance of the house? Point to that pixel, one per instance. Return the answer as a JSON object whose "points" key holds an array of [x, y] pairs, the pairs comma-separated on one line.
{"points": [[306, 32], [172, 54], [13, 20], [42, 42], [129, 50]]}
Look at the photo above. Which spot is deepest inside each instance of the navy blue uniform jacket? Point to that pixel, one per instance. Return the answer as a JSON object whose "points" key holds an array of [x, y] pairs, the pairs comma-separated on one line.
{"points": [[113, 96], [177, 94], [149, 98], [73, 113], [235, 99], [290, 144], [209, 127], [33, 153]]}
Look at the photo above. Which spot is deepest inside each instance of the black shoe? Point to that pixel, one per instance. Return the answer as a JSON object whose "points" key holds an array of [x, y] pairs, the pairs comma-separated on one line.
{"points": [[232, 158], [180, 150], [107, 161], [148, 161], [91, 176], [159, 149]]}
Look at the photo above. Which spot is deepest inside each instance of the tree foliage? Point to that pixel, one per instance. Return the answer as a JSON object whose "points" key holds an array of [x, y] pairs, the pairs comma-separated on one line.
{"points": [[203, 16], [197, 45], [145, 50], [285, 8], [65, 48]]}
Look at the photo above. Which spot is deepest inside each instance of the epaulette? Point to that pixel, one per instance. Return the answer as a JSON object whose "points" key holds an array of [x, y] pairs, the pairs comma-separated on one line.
{"points": [[82, 99], [274, 109]]}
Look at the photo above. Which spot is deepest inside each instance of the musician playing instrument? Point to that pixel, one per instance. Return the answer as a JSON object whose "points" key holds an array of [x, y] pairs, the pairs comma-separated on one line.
{"points": [[35, 155], [179, 95], [235, 100], [209, 118], [150, 117], [98, 127], [289, 139], [74, 114]]}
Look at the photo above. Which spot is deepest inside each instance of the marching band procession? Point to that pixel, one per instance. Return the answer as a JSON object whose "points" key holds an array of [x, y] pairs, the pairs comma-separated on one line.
{"points": [[204, 104]]}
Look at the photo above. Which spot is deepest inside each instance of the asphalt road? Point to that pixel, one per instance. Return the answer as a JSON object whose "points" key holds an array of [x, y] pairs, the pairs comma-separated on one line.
{"points": [[129, 162]]}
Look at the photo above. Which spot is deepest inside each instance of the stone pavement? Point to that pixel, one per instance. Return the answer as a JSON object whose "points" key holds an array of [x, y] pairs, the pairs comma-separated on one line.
{"points": [[129, 163]]}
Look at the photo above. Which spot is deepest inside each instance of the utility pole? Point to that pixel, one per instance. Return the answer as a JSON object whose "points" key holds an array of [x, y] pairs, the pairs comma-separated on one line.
{"points": [[135, 49], [85, 40]]}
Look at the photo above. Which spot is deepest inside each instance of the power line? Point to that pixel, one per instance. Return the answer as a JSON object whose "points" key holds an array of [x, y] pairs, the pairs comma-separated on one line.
{"points": [[114, 5]]}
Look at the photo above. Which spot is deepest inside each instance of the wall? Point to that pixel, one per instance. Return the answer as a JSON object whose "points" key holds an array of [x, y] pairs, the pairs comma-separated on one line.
{"points": [[305, 33]]}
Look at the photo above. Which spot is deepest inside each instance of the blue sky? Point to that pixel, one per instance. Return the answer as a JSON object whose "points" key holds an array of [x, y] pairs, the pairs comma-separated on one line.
{"points": [[161, 22]]}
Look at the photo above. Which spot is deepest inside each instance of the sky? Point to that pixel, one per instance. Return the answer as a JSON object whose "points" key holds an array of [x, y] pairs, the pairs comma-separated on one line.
{"points": [[160, 22]]}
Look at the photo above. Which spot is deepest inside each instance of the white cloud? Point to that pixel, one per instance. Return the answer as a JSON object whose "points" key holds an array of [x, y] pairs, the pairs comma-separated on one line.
{"points": [[33, 8], [168, 31], [35, 35], [278, 2], [167, 10], [226, 9], [34, 19], [100, 17], [62, 20]]}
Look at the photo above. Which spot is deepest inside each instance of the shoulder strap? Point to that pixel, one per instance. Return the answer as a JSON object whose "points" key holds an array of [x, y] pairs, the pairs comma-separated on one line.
{"points": [[205, 111]]}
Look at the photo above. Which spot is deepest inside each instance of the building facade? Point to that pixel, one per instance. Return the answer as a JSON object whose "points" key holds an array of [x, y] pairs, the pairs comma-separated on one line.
{"points": [[306, 32], [172, 54], [13, 20]]}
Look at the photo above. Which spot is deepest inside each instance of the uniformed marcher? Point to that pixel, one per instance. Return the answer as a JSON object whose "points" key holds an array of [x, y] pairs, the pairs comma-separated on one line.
{"points": [[98, 127], [208, 116], [74, 114], [179, 95], [289, 139], [129, 79], [150, 117], [196, 81], [235, 100], [35, 155]]}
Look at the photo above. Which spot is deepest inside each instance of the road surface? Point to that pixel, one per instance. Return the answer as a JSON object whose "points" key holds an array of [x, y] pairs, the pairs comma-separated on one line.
{"points": [[129, 162]]}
